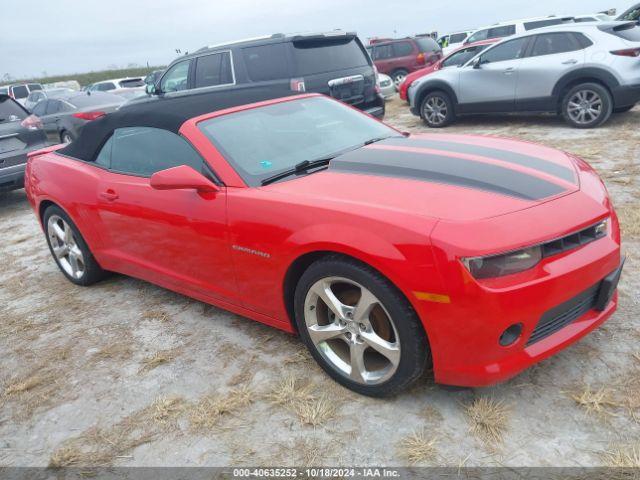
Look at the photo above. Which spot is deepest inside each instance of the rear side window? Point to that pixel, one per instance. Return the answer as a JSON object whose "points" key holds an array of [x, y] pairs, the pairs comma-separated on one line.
{"points": [[54, 106], [551, 43], [143, 151], [20, 91], [383, 52], [34, 86], [502, 31], [633, 15], [584, 20], [427, 44], [542, 23], [10, 111], [266, 62], [327, 55], [629, 32], [511, 50], [402, 49], [212, 70]]}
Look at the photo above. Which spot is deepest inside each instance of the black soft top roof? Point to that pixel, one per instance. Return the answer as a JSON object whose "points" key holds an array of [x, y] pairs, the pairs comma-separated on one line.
{"points": [[167, 113]]}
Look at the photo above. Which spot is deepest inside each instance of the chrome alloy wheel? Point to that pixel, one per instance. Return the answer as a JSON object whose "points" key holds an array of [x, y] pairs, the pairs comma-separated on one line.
{"points": [[585, 106], [352, 330], [65, 248], [399, 78], [435, 110]]}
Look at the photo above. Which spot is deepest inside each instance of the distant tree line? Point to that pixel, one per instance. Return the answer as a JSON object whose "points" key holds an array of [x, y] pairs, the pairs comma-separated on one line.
{"points": [[86, 78]]}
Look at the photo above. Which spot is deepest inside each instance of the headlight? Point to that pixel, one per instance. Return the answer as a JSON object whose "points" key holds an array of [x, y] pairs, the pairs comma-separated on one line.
{"points": [[505, 264]]}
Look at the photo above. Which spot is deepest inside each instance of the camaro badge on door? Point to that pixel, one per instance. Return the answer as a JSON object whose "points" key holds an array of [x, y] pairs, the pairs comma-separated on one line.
{"points": [[251, 251]]}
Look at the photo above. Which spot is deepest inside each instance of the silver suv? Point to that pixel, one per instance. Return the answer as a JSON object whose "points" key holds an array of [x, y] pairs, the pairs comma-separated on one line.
{"points": [[582, 71]]}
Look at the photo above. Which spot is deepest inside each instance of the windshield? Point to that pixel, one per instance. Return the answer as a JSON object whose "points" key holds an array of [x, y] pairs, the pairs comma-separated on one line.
{"points": [[264, 141]]}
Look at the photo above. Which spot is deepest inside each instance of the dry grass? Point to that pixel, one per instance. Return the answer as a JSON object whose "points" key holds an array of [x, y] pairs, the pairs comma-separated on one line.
{"points": [[158, 315], [418, 448], [206, 414], [316, 412], [290, 392], [488, 419], [622, 456], [431, 414], [114, 351], [23, 385], [159, 358], [595, 402], [630, 220], [165, 410]]}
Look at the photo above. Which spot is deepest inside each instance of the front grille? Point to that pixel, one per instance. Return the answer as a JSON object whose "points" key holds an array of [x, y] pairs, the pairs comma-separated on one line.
{"points": [[562, 315], [572, 241]]}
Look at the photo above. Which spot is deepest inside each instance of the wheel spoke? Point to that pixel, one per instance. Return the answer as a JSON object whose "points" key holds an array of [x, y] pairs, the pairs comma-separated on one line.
{"points": [[322, 333], [356, 354], [59, 232], [365, 305], [323, 290], [380, 345], [60, 251], [75, 267]]}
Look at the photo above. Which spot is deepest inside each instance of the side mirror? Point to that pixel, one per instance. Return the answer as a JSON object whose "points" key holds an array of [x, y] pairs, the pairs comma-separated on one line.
{"points": [[150, 88], [182, 177], [477, 63]]}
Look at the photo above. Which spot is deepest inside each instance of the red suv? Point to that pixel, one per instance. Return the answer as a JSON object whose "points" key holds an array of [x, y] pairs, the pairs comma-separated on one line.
{"points": [[398, 58]]}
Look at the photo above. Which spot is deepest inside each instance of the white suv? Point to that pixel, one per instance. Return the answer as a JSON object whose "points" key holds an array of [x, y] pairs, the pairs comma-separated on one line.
{"points": [[515, 27], [452, 41], [584, 71]]}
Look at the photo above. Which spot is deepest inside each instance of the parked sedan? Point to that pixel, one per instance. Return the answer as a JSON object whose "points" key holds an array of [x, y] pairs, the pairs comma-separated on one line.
{"points": [[63, 118], [20, 133], [455, 59], [386, 253]]}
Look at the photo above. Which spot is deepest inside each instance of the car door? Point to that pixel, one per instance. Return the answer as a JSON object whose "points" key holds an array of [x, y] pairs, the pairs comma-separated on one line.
{"points": [[383, 57], [488, 82], [177, 238], [551, 56], [50, 119], [176, 78]]}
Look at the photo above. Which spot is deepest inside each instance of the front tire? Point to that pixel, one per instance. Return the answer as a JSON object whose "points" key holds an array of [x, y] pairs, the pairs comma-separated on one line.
{"points": [[359, 328], [436, 110], [69, 250], [587, 105]]}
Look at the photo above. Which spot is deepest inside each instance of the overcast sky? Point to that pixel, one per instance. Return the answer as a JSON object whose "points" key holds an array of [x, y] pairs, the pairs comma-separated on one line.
{"points": [[69, 36]]}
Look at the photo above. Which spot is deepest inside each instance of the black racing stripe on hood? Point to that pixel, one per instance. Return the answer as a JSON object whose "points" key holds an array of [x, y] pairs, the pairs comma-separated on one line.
{"points": [[536, 163], [443, 169]]}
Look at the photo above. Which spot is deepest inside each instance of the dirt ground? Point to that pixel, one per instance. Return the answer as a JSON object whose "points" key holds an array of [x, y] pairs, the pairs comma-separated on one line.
{"points": [[126, 373]]}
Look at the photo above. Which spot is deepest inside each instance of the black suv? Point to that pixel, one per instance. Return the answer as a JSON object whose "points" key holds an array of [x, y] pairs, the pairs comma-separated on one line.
{"points": [[20, 133], [334, 64]]}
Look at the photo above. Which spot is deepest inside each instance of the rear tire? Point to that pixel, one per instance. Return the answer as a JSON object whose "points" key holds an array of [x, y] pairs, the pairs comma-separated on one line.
{"points": [[398, 76], [69, 250], [587, 105], [436, 110], [66, 137], [377, 353]]}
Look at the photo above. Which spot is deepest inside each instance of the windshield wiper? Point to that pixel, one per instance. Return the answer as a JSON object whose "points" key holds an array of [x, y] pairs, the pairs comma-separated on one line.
{"points": [[301, 167]]}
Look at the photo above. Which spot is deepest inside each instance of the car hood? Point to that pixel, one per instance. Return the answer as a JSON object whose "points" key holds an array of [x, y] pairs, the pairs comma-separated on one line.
{"points": [[452, 177]]}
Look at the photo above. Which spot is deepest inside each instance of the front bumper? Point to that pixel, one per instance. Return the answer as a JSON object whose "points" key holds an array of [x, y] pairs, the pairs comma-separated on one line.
{"points": [[626, 95]]}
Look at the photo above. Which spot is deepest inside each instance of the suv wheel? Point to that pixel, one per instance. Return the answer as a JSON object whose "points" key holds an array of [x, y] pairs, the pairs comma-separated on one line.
{"points": [[587, 105], [398, 76], [437, 110], [359, 327]]}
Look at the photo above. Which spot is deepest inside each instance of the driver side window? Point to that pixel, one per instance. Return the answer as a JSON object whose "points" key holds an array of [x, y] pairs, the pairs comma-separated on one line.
{"points": [[511, 50], [143, 151], [176, 78]]}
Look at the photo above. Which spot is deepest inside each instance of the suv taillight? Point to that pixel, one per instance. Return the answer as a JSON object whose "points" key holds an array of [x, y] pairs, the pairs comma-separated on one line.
{"points": [[297, 85], [31, 123], [627, 52], [420, 58]]}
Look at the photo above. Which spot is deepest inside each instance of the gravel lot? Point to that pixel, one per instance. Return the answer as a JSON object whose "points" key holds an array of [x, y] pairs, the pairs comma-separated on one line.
{"points": [[126, 373]]}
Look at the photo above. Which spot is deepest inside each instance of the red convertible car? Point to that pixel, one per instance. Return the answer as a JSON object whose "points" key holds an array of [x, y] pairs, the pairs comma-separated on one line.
{"points": [[385, 252]]}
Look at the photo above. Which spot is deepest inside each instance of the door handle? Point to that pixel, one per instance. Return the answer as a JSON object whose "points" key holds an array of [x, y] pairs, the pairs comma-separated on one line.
{"points": [[509, 71], [109, 195], [573, 61]]}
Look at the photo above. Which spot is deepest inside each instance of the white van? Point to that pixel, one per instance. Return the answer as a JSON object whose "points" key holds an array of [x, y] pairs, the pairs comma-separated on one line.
{"points": [[512, 27]]}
